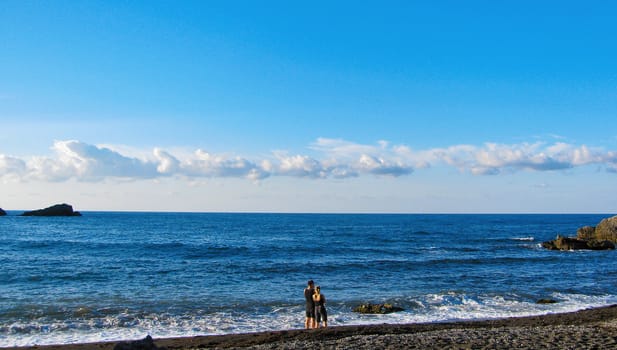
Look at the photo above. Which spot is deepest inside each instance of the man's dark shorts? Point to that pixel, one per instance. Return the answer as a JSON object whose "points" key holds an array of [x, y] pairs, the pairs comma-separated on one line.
{"points": [[310, 313]]}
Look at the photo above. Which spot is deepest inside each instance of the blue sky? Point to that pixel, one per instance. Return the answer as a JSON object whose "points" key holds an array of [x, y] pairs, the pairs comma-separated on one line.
{"points": [[478, 106]]}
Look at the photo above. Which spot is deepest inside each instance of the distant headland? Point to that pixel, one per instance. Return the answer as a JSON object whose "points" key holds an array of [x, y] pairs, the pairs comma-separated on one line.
{"points": [[55, 210]]}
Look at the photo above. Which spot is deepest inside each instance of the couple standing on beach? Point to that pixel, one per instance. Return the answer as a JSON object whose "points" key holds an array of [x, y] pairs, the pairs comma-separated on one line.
{"points": [[315, 306]]}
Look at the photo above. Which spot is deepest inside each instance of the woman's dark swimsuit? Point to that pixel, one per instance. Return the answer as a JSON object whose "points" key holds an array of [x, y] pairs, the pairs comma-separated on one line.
{"points": [[320, 310]]}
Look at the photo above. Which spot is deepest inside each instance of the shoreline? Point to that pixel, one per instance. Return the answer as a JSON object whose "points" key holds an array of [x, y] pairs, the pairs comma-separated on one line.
{"points": [[589, 328]]}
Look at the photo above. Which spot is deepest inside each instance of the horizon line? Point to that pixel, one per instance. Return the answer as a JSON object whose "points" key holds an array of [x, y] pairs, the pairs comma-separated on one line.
{"points": [[324, 213]]}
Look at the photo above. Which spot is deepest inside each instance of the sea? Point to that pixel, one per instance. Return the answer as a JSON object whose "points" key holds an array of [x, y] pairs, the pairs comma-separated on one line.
{"points": [[110, 276]]}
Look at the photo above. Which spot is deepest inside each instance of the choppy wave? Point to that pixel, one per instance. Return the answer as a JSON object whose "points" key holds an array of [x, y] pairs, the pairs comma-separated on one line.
{"points": [[451, 306], [525, 239]]}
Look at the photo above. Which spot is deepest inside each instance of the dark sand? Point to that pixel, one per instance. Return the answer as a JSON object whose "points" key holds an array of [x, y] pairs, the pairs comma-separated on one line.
{"points": [[587, 329]]}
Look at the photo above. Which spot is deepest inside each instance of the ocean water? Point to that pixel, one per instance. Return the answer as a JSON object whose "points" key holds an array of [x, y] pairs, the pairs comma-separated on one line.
{"points": [[119, 276]]}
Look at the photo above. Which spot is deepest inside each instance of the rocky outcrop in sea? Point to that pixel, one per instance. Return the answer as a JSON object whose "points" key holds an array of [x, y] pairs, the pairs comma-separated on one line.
{"points": [[605, 230], [601, 237], [377, 309], [2, 212], [55, 210]]}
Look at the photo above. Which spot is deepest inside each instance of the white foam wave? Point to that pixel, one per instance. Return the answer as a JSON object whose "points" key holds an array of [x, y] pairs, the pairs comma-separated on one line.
{"points": [[526, 239], [429, 308], [459, 307]]}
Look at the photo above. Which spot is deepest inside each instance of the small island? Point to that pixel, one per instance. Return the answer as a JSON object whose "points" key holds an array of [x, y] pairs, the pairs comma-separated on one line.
{"points": [[2, 212], [55, 210]]}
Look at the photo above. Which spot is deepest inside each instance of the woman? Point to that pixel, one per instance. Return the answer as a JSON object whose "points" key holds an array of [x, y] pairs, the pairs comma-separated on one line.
{"points": [[320, 308]]}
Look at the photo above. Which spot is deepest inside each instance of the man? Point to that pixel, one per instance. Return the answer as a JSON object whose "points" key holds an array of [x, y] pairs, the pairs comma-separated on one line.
{"points": [[309, 322]]}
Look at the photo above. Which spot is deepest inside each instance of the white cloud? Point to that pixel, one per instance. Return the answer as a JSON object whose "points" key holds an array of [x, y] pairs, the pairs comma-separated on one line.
{"points": [[299, 166], [382, 166], [88, 162], [167, 163], [11, 166], [210, 165], [493, 158], [346, 159], [334, 158]]}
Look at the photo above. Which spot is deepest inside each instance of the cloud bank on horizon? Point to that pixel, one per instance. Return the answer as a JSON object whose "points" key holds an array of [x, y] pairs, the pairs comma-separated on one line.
{"points": [[335, 158]]}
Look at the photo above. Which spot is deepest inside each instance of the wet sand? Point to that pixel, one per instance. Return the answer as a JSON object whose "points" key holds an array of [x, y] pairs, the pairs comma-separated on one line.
{"points": [[586, 329]]}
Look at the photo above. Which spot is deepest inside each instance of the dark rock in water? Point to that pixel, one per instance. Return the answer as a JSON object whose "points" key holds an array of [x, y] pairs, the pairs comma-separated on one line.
{"points": [[565, 243], [586, 232], [571, 243], [145, 344], [2, 212], [601, 237], [546, 301], [595, 244], [606, 230], [377, 309], [55, 210]]}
